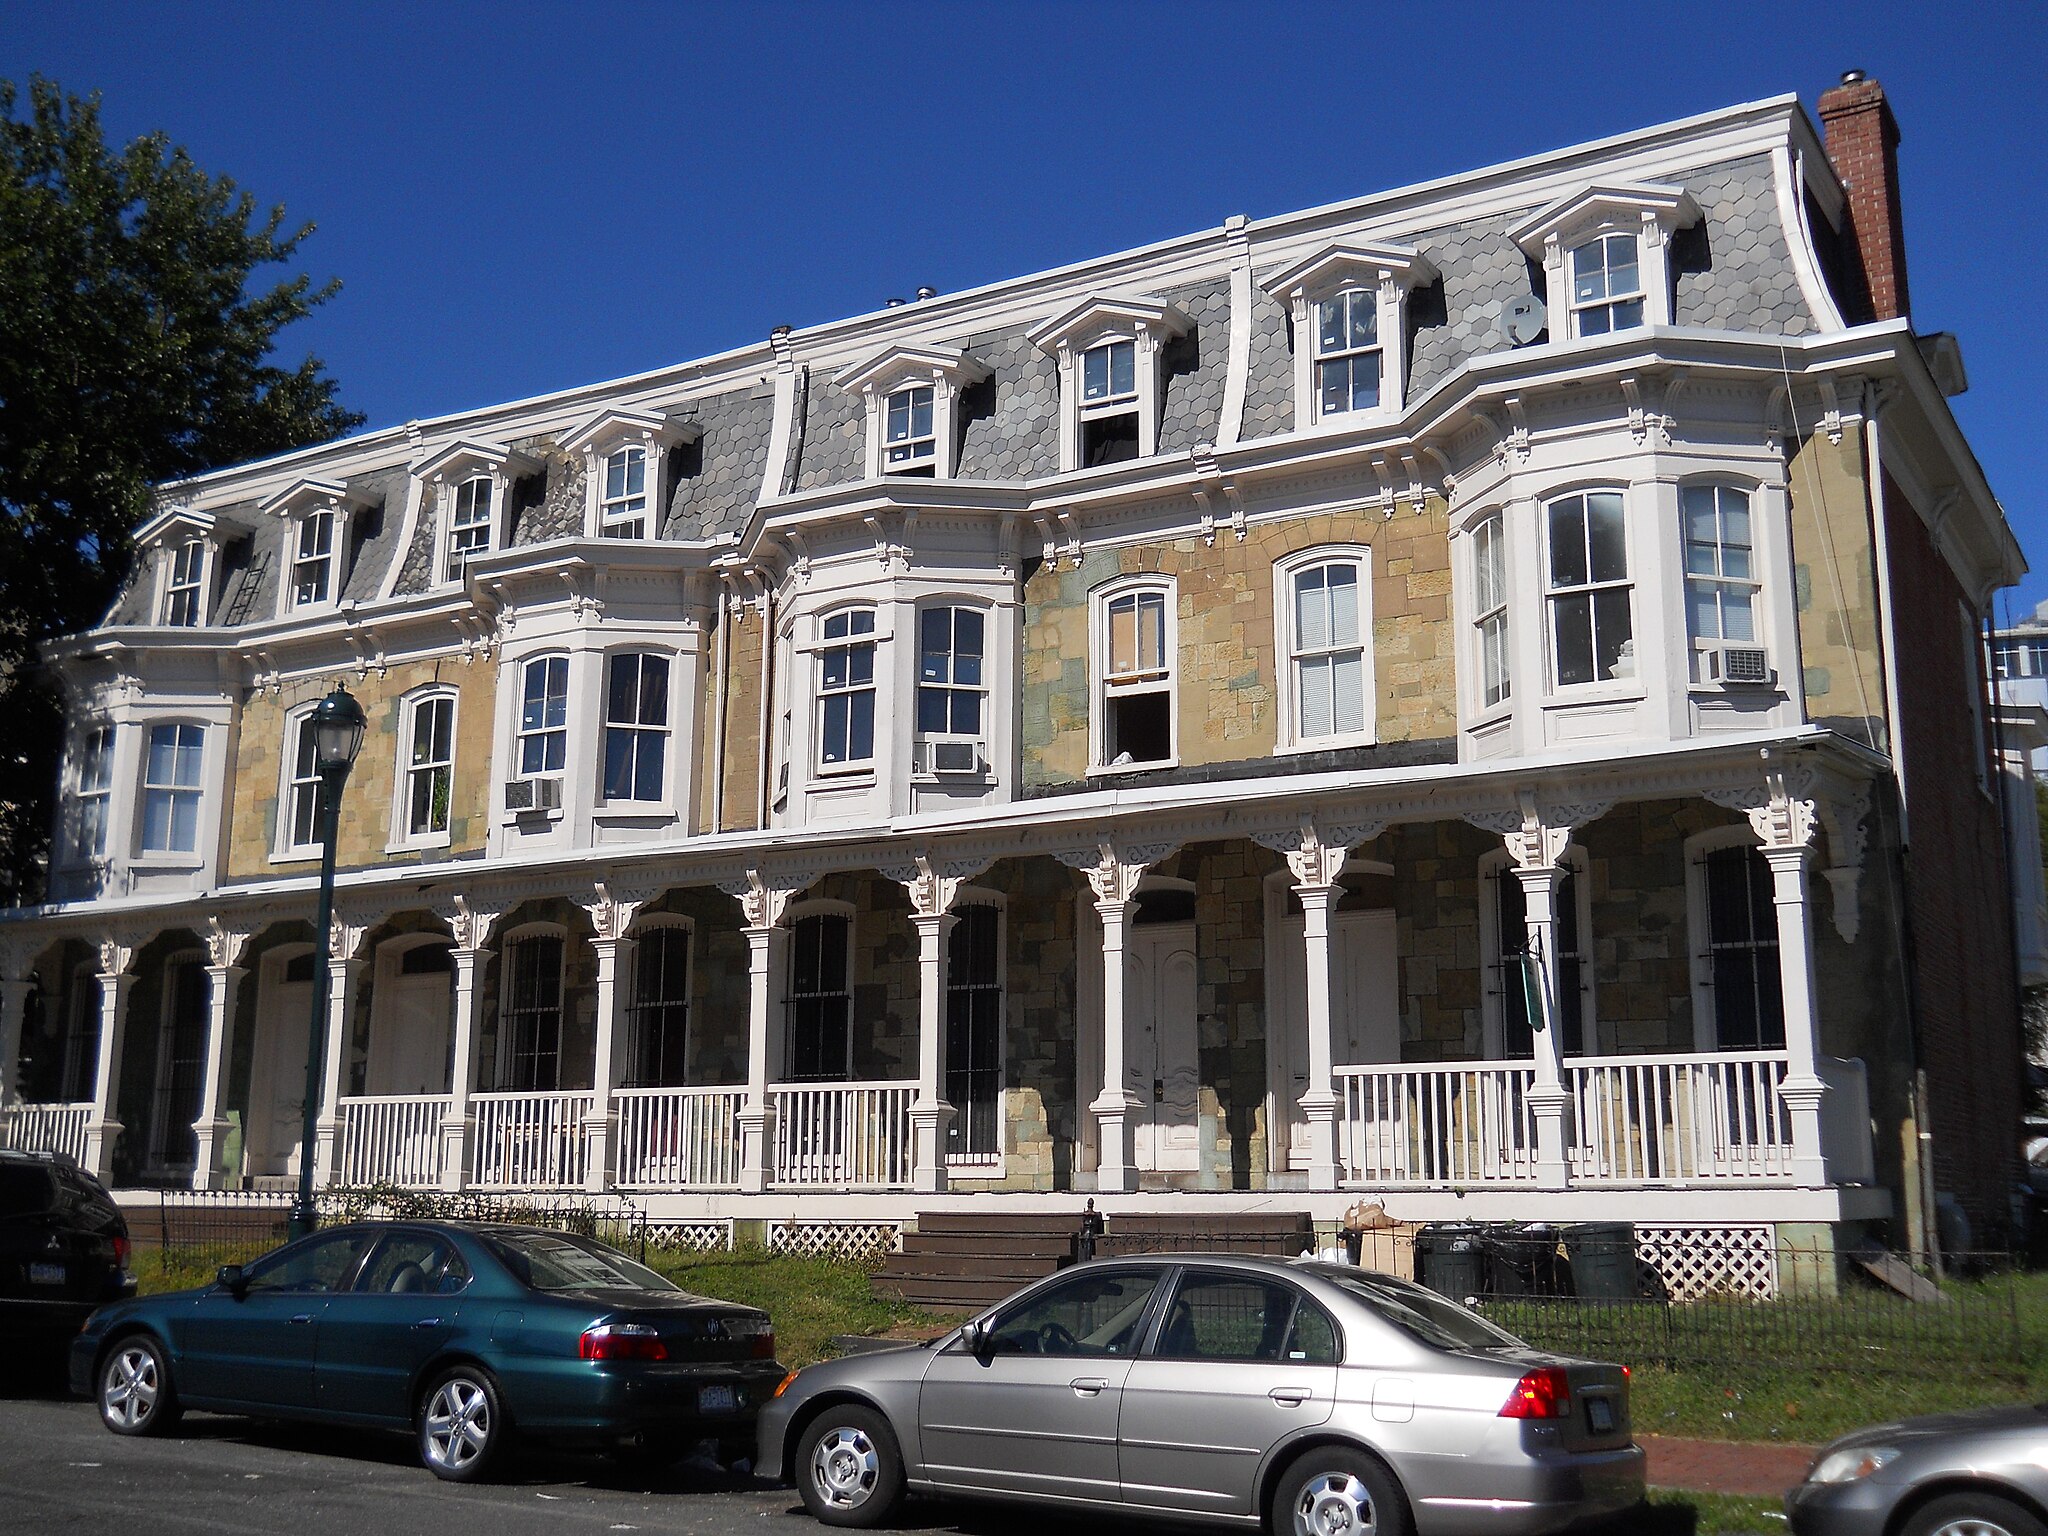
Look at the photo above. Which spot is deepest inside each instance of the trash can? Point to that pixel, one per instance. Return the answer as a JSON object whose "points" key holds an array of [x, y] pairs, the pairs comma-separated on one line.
{"points": [[1602, 1255], [1451, 1258], [1525, 1261]]}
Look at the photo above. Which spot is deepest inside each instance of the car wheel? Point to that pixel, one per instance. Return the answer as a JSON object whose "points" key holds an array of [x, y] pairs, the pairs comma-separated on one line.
{"points": [[462, 1424], [1972, 1514], [135, 1393], [1335, 1491], [848, 1467]]}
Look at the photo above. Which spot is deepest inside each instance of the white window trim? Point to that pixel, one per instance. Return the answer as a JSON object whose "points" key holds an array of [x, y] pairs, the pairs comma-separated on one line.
{"points": [[1759, 582], [994, 1162], [1651, 211], [982, 738], [74, 853], [604, 434], [514, 768], [1390, 272], [1482, 711], [282, 849], [817, 906], [663, 803], [945, 371], [1699, 931], [863, 770], [166, 565], [441, 474], [205, 827], [1068, 337], [1633, 684], [292, 507], [651, 923], [402, 837], [1495, 866], [1284, 640], [1098, 671]]}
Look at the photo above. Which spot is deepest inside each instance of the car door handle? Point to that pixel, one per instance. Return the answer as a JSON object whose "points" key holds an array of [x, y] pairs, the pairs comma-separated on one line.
{"points": [[1088, 1386], [303, 1317], [428, 1322], [1290, 1397]]}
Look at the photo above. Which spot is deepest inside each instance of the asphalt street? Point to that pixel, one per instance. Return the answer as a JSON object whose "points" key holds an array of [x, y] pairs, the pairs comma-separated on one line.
{"points": [[62, 1474]]}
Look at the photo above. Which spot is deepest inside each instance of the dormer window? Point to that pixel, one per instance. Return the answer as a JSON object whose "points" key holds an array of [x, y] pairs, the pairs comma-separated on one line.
{"points": [[313, 560], [1111, 384], [1607, 285], [912, 396], [622, 514], [469, 523], [184, 589], [1606, 256], [909, 446], [1350, 309]]}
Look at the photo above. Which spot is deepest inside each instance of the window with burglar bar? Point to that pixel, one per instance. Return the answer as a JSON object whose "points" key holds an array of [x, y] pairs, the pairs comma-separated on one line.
{"points": [[974, 1032], [819, 1010], [658, 1023], [1512, 974], [846, 691], [1742, 951], [636, 726], [530, 1020]]}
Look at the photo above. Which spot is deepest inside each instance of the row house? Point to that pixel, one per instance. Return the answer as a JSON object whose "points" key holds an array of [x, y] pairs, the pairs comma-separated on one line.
{"points": [[1432, 696]]}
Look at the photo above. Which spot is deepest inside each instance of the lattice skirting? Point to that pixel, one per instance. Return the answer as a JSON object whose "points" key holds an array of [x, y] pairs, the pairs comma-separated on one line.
{"points": [[862, 1241], [690, 1236], [1712, 1261]]}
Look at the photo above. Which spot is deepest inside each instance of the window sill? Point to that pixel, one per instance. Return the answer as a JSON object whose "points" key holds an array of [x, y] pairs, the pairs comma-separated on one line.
{"points": [[1327, 743], [644, 813], [862, 778], [295, 855], [1151, 765], [1348, 421], [424, 844], [1492, 715], [1631, 692], [530, 818], [167, 862]]}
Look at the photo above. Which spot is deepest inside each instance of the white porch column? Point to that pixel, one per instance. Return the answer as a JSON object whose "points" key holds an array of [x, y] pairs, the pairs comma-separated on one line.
{"points": [[933, 885], [103, 1130], [604, 1067], [223, 982], [342, 970], [17, 981], [468, 927], [764, 905], [1803, 1088]]}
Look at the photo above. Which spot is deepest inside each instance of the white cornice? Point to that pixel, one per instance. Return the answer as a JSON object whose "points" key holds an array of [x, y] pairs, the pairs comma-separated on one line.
{"points": [[906, 362], [308, 494], [1671, 208], [497, 458], [1127, 312], [660, 427], [1334, 264]]}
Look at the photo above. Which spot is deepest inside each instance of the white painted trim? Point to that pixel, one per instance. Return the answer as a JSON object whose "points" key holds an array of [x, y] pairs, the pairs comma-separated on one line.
{"points": [[1493, 866], [402, 838], [1099, 601], [1286, 671]]}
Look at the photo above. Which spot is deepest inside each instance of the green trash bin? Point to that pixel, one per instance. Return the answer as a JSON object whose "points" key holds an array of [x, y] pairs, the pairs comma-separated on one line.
{"points": [[1602, 1256], [1451, 1258]]}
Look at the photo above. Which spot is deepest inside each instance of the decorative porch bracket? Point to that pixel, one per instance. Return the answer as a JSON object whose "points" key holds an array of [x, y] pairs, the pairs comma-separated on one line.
{"points": [[1113, 871], [117, 980], [1536, 837], [1316, 857], [468, 925], [611, 910], [224, 973], [344, 966], [933, 884], [765, 899]]}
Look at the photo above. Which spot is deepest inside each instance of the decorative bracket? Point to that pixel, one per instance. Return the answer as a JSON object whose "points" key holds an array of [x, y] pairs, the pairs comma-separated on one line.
{"points": [[764, 903], [1536, 835], [1213, 482], [467, 924], [1315, 854], [224, 946], [611, 909], [933, 884], [1114, 870], [117, 954]]}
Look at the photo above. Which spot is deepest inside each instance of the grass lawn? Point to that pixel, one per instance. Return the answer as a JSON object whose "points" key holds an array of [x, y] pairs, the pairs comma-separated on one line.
{"points": [[1709, 1514]]}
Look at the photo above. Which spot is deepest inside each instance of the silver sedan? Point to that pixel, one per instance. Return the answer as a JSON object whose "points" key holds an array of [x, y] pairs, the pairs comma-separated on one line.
{"points": [[1959, 1474], [1320, 1399]]}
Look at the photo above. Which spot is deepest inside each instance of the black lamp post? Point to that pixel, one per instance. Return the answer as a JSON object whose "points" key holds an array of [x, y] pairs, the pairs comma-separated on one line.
{"points": [[337, 738]]}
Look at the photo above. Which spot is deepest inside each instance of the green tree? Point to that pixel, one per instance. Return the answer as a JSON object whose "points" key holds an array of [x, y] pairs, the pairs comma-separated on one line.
{"points": [[133, 349]]}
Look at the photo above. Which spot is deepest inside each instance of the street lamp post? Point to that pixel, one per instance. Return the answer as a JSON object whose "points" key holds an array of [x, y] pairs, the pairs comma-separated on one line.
{"points": [[337, 737]]}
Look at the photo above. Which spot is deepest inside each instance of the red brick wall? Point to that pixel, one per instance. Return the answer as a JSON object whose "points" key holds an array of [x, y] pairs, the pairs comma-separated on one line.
{"points": [[1965, 993], [1863, 146]]}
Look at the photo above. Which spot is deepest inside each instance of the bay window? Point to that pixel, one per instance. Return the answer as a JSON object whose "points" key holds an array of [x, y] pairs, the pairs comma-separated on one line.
{"points": [[949, 672], [635, 726], [1589, 593], [95, 788], [171, 788], [1490, 609], [1720, 565], [846, 691], [544, 716]]}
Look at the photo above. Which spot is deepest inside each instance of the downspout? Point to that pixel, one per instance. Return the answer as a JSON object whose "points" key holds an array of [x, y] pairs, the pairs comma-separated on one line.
{"points": [[719, 708], [763, 749]]}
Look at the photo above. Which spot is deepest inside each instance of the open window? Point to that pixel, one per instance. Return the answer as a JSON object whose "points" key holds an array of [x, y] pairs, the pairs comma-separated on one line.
{"points": [[1111, 388], [1135, 645]]}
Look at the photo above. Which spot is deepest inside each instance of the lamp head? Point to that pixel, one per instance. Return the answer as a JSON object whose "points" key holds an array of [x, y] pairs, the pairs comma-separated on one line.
{"points": [[337, 730]]}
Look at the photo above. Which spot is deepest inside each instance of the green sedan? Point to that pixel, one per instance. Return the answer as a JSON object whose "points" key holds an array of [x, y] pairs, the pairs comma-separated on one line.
{"points": [[462, 1333]]}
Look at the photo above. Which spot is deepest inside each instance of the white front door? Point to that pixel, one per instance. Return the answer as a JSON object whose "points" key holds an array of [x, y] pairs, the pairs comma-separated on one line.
{"points": [[1365, 1006], [277, 1073], [409, 1033], [1161, 1066]]}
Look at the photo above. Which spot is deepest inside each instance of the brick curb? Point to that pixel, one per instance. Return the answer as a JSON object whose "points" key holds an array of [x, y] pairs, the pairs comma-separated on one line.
{"points": [[1756, 1469]]}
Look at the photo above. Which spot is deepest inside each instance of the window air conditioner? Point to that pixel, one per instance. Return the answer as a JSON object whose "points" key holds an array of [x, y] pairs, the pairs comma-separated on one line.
{"points": [[1738, 666], [948, 757], [533, 795]]}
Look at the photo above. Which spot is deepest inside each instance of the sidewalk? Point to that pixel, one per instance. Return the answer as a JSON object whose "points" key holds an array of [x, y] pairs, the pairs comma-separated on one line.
{"points": [[1760, 1469]]}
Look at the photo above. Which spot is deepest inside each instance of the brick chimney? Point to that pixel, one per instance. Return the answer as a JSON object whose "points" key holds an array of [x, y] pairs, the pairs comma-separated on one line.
{"points": [[1862, 140]]}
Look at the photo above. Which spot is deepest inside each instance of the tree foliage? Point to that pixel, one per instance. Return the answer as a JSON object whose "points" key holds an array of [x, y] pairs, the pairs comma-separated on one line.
{"points": [[134, 349]]}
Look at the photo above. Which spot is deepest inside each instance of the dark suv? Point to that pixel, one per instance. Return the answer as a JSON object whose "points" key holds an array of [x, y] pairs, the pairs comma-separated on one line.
{"points": [[63, 1249]]}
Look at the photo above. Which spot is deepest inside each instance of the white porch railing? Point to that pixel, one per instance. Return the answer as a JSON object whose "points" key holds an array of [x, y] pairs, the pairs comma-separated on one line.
{"points": [[1679, 1119], [678, 1138], [842, 1135], [529, 1140], [1437, 1123], [46, 1128], [393, 1140]]}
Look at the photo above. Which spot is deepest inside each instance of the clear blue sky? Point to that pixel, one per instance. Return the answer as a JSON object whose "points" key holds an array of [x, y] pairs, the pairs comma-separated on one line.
{"points": [[522, 197]]}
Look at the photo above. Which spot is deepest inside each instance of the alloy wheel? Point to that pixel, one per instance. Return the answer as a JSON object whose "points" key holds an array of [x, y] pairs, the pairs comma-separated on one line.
{"points": [[458, 1423], [130, 1387], [1970, 1525], [1334, 1504], [845, 1468]]}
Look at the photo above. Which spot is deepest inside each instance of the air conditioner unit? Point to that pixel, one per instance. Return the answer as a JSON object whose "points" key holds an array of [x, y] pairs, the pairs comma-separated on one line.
{"points": [[1738, 666], [533, 794], [948, 757]]}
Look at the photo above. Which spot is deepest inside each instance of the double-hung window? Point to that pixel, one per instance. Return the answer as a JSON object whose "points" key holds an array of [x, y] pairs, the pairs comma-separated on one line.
{"points": [[1490, 609], [820, 1007], [1742, 951], [95, 790], [949, 676], [469, 523], [1328, 651], [530, 1031], [430, 766], [301, 800], [1590, 602], [1109, 403], [1348, 357], [623, 508], [184, 597], [846, 690], [313, 563], [171, 788], [1720, 564], [1607, 285], [1137, 679], [909, 441], [544, 717], [635, 726], [658, 1023], [974, 1033]]}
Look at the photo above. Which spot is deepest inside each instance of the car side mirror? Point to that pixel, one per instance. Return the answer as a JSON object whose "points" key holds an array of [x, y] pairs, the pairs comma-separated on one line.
{"points": [[974, 1338], [230, 1279]]}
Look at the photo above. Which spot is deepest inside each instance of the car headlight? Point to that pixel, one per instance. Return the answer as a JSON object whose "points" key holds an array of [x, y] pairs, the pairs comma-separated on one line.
{"points": [[1847, 1466]]}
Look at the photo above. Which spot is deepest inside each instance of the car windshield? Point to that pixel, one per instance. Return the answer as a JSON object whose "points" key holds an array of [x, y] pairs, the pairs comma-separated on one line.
{"points": [[25, 1190], [552, 1261], [1421, 1313]]}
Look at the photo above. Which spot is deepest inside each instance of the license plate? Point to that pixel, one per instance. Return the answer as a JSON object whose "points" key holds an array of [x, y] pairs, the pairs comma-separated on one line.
{"points": [[46, 1274], [1600, 1415], [716, 1400]]}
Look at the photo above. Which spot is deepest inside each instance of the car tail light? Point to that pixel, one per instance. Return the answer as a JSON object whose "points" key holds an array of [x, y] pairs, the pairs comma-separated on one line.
{"points": [[758, 1334], [1545, 1393], [120, 1253], [621, 1341]]}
